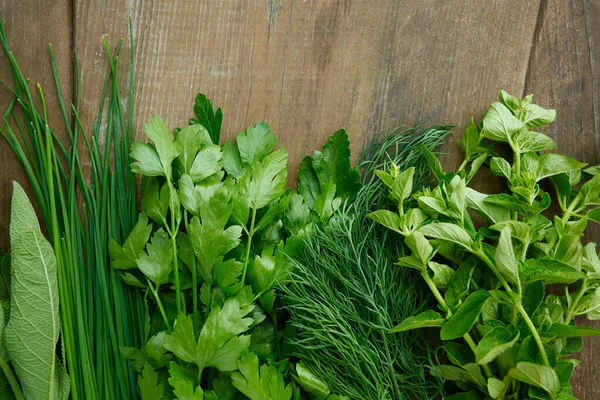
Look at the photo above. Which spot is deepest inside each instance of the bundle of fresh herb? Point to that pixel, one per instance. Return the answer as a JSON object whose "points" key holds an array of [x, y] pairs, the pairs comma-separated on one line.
{"points": [[99, 313], [211, 246], [505, 337], [345, 292]]}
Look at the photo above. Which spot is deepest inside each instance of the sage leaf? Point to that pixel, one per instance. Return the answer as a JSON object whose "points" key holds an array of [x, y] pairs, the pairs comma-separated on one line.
{"points": [[33, 330]]}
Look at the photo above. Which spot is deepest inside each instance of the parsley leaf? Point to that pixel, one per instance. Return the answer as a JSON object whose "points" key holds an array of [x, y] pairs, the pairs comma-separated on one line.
{"points": [[263, 383], [207, 117], [218, 345]]}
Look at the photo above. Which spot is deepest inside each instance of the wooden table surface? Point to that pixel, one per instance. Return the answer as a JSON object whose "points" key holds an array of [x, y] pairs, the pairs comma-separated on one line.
{"points": [[309, 67]]}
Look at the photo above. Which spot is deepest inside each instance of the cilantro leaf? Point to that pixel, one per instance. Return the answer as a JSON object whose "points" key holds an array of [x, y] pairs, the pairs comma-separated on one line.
{"points": [[265, 180], [207, 117], [218, 345], [255, 143], [156, 264], [153, 353], [263, 383]]}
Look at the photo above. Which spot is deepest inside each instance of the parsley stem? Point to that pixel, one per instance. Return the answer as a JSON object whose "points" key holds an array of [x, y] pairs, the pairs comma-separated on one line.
{"points": [[12, 380], [174, 230], [250, 234], [160, 305], [195, 312]]}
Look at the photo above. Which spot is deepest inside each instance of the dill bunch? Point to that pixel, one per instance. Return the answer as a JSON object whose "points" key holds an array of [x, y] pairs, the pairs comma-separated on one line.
{"points": [[345, 292]]}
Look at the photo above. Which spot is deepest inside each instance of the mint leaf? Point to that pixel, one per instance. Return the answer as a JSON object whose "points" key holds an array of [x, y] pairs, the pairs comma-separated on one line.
{"points": [[207, 117], [260, 383]]}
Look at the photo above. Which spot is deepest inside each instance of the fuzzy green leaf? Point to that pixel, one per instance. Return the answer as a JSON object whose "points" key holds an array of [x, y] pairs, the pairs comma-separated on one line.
{"points": [[505, 258], [33, 330]]}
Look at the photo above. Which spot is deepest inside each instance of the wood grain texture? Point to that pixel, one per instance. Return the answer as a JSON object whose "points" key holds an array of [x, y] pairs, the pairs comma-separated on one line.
{"points": [[309, 67], [563, 74], [30, 26]]}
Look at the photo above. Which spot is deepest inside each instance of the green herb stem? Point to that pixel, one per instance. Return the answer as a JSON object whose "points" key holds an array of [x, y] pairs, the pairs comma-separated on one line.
{"points": [[250, 234], [534, 333], [436, 293], [160, 305], [12, 379], [173, 234], [572, 309]]}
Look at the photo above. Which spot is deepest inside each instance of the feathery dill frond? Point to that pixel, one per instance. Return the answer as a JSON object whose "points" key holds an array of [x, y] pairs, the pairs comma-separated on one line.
{"points": [[345, 292]]}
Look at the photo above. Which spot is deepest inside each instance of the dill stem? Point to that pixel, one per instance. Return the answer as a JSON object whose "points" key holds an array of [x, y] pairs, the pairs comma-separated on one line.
{"points": [[250, 234]]}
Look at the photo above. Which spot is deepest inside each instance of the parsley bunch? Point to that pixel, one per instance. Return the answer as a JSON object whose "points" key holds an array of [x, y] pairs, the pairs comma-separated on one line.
{"points": [[504, 336], [210, 248]]}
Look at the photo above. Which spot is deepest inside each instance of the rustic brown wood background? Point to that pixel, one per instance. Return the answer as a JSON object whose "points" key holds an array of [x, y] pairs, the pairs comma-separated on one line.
{"points": [[309, 67]]}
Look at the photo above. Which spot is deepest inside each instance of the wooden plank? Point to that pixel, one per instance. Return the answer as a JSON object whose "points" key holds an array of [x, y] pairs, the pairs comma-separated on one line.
{"points": [[563, 74], [311, 67], [30, 26]]}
